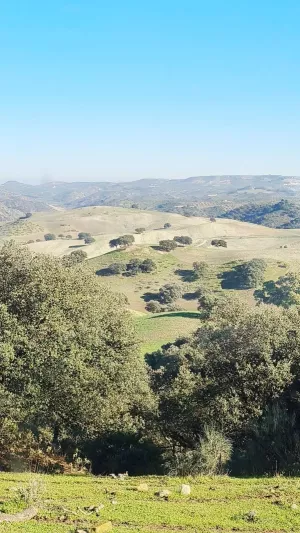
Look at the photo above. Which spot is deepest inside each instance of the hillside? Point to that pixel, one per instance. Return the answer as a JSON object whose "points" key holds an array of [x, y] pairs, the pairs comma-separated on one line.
{"points": [[13, 206], [196, 196], [283, 214]]}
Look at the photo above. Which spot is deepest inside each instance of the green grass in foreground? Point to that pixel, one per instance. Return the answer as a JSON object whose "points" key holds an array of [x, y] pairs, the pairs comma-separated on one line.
{"points": [[215, 504], [156, 330]]}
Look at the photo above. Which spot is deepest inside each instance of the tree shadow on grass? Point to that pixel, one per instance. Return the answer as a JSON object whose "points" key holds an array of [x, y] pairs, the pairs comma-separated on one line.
{"points": [[147, 296], [77, 246], [103, 272], [186, 275], [230, 279], [181, 314], [190, 296]]}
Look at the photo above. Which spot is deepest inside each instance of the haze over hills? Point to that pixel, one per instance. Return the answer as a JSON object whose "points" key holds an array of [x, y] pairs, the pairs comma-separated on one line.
{"points": [[194, 196]]}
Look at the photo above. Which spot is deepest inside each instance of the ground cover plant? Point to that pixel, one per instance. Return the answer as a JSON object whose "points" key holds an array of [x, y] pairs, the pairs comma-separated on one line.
{"points": [[215, 504]]}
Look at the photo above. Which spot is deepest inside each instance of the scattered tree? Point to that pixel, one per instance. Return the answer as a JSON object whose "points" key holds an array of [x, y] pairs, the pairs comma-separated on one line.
{"points": [[167, 245], [167, 225], [169, 293], [284, 292], [83, 235], [213, 219], [201, 269], [153, 307], [219, 243], [69, 237], [140, 230], [74, 258], [49, 237], [184, 239], [116, 268], [148, 265], [89, 240]]}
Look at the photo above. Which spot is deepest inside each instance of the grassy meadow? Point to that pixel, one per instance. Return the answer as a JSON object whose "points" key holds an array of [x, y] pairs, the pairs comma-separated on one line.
{"points": [[215, 504]]}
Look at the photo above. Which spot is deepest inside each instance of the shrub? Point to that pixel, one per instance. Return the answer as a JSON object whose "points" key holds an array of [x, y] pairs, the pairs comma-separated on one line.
{"points": [[61, 236], [167, 245], [148, 265], [213, 219], [201, 269], [140, 230], [116, 268], [167, 225], [169, 293], [89, 240], [50, 237], [219, 243], [82, 235], [184, 239], [69, 237], [210, 457], [153, 307], [30, 242]]}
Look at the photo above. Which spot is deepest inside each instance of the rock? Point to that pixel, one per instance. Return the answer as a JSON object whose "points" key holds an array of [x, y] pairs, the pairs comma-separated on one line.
{"points": [[185, 490], [164, 493], [81, 531], [114, 502], [143, 487], [294, 506], [104, 528]]}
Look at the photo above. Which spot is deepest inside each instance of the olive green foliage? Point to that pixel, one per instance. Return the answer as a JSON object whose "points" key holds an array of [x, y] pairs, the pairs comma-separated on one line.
{"points": [[229, 371], [49, 237], [219, 243], [251, 274], [83, 235], [89, 240], [132, 268], [140, 230], [74, 258], [201, 269], [167, 225], [283, 292], [183, 239], [169, 293], [167, 245], [210, 456], [68, 357], [153, 306], [124, 241]]}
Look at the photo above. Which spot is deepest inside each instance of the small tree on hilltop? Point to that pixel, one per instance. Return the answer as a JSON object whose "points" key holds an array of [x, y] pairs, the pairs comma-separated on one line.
{"points": [[49, 237], [167, 245], [184, 239], [167, 225]]}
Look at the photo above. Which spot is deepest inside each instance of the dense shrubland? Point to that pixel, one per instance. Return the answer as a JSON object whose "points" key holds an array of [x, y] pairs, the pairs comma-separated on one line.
{"points": [[74, 386]]}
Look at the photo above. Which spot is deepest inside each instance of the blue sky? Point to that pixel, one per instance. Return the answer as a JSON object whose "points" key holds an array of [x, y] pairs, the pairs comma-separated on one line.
{"points": [[124, 89]]}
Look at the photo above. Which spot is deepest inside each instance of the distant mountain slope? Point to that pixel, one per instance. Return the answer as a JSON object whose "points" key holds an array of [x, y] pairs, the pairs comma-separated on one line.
{"points": [[177, 195], [283, 214], [13, 206]]}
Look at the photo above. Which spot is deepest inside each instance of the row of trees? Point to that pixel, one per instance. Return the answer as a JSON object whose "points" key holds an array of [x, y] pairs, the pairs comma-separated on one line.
{"points": [[132, 268]]}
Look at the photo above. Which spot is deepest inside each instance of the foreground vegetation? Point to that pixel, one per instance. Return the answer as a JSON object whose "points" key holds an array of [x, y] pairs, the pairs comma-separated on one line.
{"points": [[215, 504]]}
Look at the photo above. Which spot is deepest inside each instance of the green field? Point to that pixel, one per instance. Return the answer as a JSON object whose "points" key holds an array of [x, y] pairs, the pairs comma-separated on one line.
{"points": [[269, 505]]}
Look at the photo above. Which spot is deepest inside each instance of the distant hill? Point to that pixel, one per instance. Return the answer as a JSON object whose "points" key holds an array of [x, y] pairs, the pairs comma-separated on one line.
{"points": [[283, 214], [13, 206]]}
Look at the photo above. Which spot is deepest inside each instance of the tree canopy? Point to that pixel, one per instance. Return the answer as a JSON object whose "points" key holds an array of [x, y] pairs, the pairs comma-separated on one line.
{"points": [[68, 354]]}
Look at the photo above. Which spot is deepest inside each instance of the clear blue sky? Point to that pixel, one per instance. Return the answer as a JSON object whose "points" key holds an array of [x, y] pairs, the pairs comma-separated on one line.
{"points": [[124, 89]]}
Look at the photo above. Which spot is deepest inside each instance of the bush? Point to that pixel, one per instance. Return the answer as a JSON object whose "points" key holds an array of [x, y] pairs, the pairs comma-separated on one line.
{"points": [[213, 219], [89, 240], [167, 225], [83, 235], [148, 265], [201, 269], [61, 236], [219, 243], [167, 245], [30, 242], [140, 230], [69, 237], [153, 307], [38, 240], [50, 237], [184, 239], [116, 268], [210, 457], [169, 293]]}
